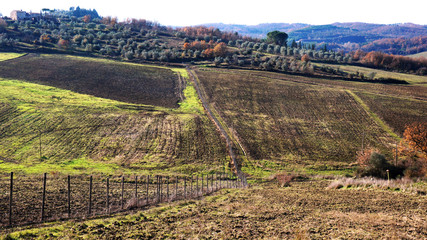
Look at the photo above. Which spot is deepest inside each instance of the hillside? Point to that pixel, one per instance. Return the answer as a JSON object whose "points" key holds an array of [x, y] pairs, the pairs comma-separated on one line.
{"points": [[345, 36], [282, 120], [47, 126]]}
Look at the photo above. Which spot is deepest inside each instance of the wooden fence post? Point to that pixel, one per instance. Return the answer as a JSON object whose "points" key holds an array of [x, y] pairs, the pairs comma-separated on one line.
{"points": [[69, 196], [146, 195], [197, 185], [202, 184], [185, 187], [176, 187], [44, 196], [207, 183], [123, 190], [167, 188], [90, 196], [10, 199], [191, 187], [108, 196], [136, 190], [212, 179], [161, 188]]}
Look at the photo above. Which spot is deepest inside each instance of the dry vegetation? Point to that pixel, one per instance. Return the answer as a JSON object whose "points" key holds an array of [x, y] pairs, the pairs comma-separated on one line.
{"points": [[306, 209]]}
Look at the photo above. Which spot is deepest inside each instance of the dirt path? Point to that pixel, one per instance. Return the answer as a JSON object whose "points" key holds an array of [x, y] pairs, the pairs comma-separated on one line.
{"points": [[230, 144]]}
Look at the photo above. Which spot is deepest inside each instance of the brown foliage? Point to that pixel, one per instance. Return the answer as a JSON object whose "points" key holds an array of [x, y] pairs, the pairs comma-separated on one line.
{"points": [[284, 179], [395, 62], [220, 50], [62, 43], [364, 155], [416, 136], [305, 58], [86, 18], [110, 21]]}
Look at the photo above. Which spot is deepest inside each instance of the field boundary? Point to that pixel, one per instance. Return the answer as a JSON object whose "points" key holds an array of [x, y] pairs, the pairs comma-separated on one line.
{"points": [[31, 199], [374, 116], [215, 118]]}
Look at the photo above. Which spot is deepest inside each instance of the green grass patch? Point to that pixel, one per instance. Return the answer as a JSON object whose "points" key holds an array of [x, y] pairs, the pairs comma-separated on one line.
{"points": [[377, 119], [6, 55]]}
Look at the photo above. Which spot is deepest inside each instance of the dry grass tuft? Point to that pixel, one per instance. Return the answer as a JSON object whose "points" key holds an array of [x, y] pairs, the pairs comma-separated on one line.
{"points": [[404, 184], [284, 179]]}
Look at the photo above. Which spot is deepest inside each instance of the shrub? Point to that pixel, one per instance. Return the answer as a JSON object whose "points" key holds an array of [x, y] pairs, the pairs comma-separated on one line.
{"points": [[372, 163], [284, 179]]}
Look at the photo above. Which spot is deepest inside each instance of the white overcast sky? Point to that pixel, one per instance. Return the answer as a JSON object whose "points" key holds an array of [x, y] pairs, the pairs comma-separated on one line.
{"points": [[194, 12]]}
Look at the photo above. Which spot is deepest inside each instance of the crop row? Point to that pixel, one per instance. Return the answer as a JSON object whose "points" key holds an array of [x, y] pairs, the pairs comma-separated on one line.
{"points": [[281, 119]]}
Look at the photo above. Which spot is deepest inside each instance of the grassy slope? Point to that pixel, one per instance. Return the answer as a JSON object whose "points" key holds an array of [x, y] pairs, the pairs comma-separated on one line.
{"points": [[305, 210], [411, 78], [421, 54], [82, 133]]}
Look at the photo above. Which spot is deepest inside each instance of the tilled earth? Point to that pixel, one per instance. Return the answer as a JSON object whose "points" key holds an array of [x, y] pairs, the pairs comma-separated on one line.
{"points": [[305, 210]]}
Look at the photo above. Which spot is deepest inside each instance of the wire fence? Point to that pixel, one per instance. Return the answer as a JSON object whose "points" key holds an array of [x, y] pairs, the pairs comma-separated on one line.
{"points": [[26, 200]]}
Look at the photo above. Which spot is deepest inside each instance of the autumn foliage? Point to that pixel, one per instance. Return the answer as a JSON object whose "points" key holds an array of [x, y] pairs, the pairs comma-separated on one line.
{"points": [[416, 136], [412, 152], [395, 62], [208, 49]]}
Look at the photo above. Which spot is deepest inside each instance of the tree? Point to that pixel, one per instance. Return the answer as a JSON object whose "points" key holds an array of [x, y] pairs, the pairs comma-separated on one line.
{"points": [[3, 25], [277, 37], [220, 50], [416, 136], [86, 18], [305, 58]]}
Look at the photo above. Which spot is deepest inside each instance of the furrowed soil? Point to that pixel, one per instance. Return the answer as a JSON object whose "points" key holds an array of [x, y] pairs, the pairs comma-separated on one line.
{"points": [[106, 79], [289, 119], [44, 127], [305, 210]]}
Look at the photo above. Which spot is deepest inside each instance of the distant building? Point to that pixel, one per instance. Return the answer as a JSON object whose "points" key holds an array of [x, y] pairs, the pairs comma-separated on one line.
{"points": [[18, 15]]}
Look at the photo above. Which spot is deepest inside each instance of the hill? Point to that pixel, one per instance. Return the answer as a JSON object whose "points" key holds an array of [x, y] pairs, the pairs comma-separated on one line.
{"points": [[47, 126], [345, 36]]}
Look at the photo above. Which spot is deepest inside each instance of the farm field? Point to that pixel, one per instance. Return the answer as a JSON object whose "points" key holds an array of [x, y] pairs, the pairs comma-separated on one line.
{"points": [[410, 78], [46, 127], [305, 210], [284, 121], [125, 82]]}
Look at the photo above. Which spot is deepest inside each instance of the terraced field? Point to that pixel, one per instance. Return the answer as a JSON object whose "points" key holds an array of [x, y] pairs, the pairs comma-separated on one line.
{"points": [[45, 127], [282, 119]]}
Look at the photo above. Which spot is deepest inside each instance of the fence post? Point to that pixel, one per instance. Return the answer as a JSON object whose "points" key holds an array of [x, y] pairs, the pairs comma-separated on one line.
{"points": [[44, 195], [157, 188], [69, 196], [90, 195], [136, 190], [108, 196], [207, 183], [185, 187], [212, 179], [216, 182], [10, 199], [191, 187], [146, 195], [197, 185], [123, 189], [167, 188], [202, 184], [161, 188], [176, 187]]}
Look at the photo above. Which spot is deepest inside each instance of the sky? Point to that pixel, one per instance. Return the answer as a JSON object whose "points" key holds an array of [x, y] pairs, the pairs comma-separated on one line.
{"points": [[195, 12]]}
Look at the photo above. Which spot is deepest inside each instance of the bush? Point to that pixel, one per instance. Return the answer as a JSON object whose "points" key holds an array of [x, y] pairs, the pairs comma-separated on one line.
{"points": [[374, 164]]}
